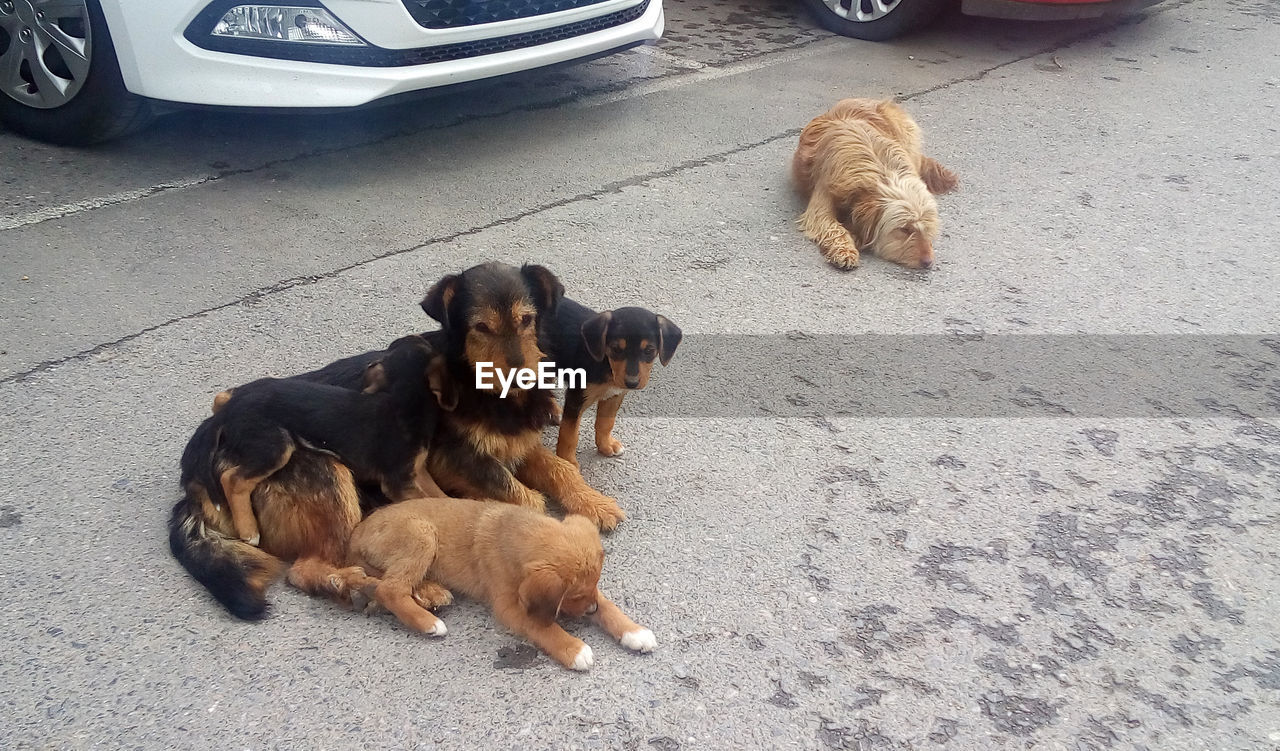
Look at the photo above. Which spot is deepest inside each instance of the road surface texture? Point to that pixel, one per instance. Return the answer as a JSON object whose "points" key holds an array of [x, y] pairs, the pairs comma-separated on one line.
{"points": [[1037, 570]]}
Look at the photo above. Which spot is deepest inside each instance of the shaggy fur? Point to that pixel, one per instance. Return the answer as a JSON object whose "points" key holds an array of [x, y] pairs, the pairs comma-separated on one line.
{"points": [[530, 568], [868, 184]]}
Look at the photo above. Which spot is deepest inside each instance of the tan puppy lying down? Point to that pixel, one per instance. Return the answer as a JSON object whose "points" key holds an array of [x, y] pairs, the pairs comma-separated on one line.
{"points": [[530, 568]]}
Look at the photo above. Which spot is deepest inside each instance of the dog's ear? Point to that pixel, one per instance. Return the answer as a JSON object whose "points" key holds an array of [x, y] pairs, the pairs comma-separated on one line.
{"points": [[594, 332], [546, 287], [542, 592], [375, 378], [441, 384], [440, 297], [220, 400], [669, 336]]}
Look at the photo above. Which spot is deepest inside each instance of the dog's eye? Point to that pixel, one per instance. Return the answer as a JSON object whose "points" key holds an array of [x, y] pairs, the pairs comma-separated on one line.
{"points": [[526, 320], [650, 351], [483, 328]]}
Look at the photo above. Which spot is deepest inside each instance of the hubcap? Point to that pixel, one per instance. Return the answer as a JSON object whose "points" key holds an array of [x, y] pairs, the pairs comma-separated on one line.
{"points": [[857, 10], [45, 46]]}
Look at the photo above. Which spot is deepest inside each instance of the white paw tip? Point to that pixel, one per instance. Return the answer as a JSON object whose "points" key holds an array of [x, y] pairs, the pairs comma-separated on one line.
{"points": [[641, 640], [254, 540], [585, 659], [439, 630]]}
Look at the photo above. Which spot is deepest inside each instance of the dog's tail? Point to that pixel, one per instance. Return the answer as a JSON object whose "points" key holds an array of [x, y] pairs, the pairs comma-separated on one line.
{"points": [[937, 179], [236, 573]]}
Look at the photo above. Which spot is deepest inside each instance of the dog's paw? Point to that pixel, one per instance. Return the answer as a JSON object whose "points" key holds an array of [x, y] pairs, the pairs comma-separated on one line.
{"points": [[254, 541], [843, 258], [608, 516], [430, 595], [610, 447], [640, 640], [554, 414], [584, 659], [437, 630]]}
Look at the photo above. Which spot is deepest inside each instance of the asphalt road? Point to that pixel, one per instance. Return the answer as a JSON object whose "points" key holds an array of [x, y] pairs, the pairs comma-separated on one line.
{"points": [[1026, 577]]}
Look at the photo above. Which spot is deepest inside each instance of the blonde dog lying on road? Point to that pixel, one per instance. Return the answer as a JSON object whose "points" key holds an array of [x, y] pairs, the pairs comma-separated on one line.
{"points": [[868, 184], [530, 568]]}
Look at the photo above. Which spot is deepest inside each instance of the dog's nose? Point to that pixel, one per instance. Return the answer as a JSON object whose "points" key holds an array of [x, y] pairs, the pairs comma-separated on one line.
{"points": [[926, 263], [633, 383]]}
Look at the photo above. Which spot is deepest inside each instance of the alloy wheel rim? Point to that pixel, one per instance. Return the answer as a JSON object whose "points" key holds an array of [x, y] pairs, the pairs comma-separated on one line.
{"points": [[45, 49], [862, 11]]}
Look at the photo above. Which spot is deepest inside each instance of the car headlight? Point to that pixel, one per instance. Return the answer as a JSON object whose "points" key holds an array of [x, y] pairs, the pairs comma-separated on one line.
{"points": [[284, 23]]}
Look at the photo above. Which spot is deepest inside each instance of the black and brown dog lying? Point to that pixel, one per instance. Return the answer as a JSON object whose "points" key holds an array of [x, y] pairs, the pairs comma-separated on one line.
{"points": [[616, 349], [380, 435], [487, 447]]}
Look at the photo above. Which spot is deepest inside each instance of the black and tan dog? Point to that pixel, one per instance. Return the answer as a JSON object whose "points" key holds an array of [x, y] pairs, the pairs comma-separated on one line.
{"points": [[490, 446], [379, 435], [616, 349]]}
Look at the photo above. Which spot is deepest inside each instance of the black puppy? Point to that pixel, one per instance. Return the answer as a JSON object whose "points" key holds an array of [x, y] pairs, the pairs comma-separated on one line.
{"points": [[381, 433], [616, 348]]}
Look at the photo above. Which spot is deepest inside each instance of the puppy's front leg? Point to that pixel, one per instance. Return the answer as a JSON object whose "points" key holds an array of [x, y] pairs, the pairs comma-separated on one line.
{"points": [[259, 451], [606, 414], [238, 490], [549, 473], [570, 421], [821, 225], [616, 623], [562, 647]]}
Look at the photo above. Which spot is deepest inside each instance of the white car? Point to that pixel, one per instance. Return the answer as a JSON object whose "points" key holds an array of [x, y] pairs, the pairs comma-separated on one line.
{"points": [[82, 71]]}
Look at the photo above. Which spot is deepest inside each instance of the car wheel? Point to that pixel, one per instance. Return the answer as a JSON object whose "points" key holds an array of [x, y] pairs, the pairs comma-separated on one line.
{"points": [[874, 20], [59, 78]]}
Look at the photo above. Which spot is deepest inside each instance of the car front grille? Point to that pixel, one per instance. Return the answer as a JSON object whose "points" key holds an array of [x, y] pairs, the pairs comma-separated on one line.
{"points": [[451, 14], [198, 34]]}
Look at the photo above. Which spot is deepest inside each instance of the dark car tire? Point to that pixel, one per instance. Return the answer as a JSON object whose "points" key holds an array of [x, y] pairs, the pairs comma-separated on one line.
{"points": [[101, 110], [903, 17]]}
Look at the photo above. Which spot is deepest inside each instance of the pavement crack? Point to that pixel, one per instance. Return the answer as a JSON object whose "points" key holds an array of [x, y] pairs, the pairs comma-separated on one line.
{"points": [[301, 281]]}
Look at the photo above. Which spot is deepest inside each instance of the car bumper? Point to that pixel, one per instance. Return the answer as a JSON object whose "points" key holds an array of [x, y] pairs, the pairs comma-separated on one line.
{"points": [[158, 61], [1051, 10]]}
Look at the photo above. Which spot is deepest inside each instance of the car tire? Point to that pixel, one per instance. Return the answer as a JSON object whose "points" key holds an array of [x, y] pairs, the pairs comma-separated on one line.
{"points": [[874, 20], [83, 101]]}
